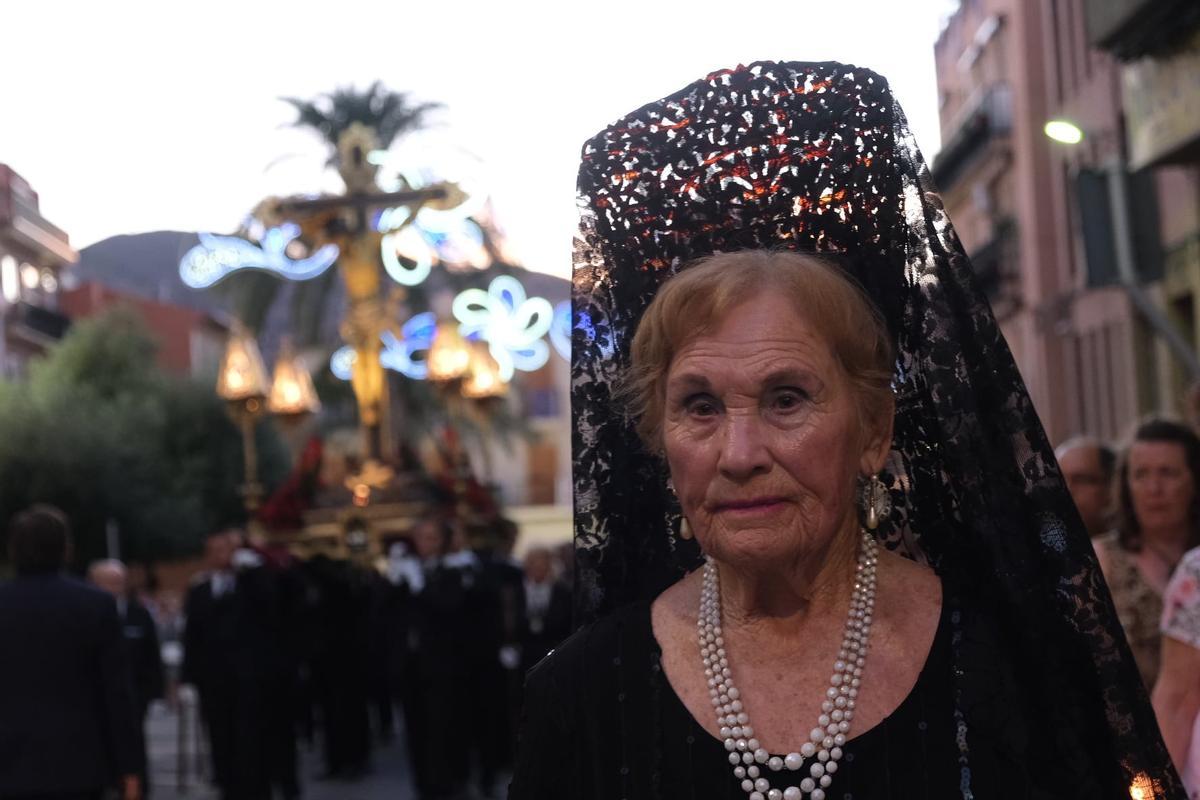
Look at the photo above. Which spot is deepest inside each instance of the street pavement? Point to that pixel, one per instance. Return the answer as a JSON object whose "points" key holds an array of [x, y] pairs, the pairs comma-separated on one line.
{"points": [[173, 778]]}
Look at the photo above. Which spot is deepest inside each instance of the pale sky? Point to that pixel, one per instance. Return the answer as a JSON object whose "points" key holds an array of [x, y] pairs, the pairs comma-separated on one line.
{"points": [[138, 116]]}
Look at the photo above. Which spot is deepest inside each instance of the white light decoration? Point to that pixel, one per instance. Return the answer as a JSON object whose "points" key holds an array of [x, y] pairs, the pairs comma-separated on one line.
{"points": [[560, 329], [400, 240], [341, 363], [218, 256], [440, 160], [510, 322]]}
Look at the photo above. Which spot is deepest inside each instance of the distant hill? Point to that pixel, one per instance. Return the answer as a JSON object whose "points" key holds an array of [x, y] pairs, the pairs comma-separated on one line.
{"points": [[147, 265]]}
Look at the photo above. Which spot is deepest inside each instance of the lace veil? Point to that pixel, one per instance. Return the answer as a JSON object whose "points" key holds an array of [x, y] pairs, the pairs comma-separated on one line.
{"points": [[819, 157]]}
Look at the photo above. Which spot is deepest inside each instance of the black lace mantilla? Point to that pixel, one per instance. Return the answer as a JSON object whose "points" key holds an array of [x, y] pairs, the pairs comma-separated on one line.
{"points": [[819, 157]]}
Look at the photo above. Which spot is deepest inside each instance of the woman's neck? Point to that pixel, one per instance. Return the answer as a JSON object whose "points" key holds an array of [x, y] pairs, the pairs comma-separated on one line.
{"points": [[791, 596], [1169, 543]]}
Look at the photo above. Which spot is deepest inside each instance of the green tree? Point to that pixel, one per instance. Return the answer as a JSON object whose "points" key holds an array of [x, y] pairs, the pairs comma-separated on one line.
{"points": [[100, 431]]}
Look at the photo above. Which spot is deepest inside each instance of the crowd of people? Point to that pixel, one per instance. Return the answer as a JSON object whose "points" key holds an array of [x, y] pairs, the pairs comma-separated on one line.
{"points": [[281, 653], [1142, 508]]}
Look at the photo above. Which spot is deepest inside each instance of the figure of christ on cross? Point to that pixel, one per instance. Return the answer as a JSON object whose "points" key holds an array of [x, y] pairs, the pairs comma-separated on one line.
{"points": [[345, 221]]}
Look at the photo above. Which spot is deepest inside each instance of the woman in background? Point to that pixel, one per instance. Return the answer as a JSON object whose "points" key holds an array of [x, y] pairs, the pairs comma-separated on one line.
{"points": [[1157, 523]]}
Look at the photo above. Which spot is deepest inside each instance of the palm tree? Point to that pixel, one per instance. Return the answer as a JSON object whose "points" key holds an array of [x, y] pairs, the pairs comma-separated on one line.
{"points": [[391, 114], [251, 295], [312, 305]]}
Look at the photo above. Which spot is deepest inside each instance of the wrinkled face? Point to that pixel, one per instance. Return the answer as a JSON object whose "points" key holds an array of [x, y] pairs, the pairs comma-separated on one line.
{"points": [[1161, 485], [1089, 489], [762, 438]]}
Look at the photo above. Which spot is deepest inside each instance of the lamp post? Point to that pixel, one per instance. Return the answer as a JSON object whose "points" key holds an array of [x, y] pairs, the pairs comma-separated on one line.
{"points": [[469, 379], [1068, 133], [242, 384]]}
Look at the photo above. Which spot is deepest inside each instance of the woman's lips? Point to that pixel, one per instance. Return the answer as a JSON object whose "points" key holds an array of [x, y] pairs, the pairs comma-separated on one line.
{"points": [[763, 505]]}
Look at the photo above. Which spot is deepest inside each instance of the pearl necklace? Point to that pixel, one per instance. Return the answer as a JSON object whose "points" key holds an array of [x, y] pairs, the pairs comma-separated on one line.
{"points": [[829, 736]]}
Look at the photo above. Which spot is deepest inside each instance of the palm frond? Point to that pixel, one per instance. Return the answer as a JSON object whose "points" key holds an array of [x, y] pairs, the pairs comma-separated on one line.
{"points": [[390, 113]]}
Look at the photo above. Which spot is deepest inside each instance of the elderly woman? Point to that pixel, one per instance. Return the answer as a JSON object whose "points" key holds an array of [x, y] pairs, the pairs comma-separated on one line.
{"points": [[828, 554]]}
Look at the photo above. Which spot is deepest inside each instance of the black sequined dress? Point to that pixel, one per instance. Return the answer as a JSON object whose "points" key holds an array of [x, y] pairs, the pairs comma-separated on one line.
{"points": [[609, 725]]}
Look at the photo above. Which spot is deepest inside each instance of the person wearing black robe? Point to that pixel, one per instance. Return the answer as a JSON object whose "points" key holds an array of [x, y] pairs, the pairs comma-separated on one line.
{"points": [[143, 655], [237, 655]]}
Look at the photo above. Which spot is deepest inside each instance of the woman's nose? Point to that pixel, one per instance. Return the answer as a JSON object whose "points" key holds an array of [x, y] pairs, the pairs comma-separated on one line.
{"points": [[743, 448]]}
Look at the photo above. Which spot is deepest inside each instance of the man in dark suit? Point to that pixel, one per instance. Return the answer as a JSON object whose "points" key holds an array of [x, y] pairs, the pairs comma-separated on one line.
{"points": [[237, 656], [143, 653], [547, 608], [67, 729]]}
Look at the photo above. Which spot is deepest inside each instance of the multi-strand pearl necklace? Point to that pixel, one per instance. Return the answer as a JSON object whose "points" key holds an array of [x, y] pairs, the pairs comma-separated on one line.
{"points": [[824, 748]]}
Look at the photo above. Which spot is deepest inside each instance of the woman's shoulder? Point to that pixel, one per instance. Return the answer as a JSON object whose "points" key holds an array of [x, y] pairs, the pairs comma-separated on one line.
{"points": [[595, 649]]}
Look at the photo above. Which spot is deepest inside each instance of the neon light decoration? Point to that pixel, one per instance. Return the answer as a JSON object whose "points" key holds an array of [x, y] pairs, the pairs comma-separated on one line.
{"points": [[510, 322], [341, 363], [560, 329], [399, 354], [406, 241], [218, 256], [417, 337]]}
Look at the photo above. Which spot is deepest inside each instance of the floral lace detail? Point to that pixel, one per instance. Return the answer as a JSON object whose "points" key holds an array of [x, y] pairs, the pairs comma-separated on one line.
{"points": [[1138, 606], [1181, 603], [819, 157]]}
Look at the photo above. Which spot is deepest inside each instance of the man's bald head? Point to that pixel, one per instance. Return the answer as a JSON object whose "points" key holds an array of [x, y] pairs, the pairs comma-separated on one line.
{"points": [[1088, 465], [109, 575]]}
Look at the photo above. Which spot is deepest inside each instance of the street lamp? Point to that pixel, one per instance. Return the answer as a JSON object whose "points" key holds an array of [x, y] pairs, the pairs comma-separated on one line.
{"points": [[1063, 131], [1068, 133], [242, 383], [483, 380], [292, 391], [449, 356]]}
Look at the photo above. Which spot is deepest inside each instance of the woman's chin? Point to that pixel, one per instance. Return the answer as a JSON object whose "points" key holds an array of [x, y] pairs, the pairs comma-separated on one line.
{"points": [[752, 547]]}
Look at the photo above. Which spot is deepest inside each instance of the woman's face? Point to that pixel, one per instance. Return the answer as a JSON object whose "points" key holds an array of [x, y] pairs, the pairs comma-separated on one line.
{"points": [[1160, 485], [762, 438]]}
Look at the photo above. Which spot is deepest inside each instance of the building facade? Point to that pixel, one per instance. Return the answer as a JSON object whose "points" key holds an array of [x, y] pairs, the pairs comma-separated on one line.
{"points": [[1073, 243], [35, 257]]}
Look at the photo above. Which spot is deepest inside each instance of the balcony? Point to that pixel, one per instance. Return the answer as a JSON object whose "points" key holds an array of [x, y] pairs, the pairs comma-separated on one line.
{"points": [[1131, 29], [987, 117], [995, 268], [36, 325]]}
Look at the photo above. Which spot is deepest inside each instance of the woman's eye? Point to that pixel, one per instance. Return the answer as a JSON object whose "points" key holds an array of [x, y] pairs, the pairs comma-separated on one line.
{"points": [[789, 399], [700, 405]]}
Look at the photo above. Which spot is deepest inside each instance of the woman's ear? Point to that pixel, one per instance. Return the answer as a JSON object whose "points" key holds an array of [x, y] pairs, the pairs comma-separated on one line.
{"points": [[878, 442]]}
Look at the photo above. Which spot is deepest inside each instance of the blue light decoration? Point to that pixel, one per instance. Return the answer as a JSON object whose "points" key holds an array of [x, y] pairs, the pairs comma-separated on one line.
{"points": [[216, 257], [399, 354], [417, 337], [511, 322], [560, 329]]}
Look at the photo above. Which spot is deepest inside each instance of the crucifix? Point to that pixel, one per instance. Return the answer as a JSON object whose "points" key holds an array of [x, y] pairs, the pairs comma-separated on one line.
{"points": [[345, 221]]}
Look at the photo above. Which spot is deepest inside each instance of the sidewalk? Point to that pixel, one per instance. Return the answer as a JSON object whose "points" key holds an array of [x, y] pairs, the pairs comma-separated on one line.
{"points": [[389, 778]]}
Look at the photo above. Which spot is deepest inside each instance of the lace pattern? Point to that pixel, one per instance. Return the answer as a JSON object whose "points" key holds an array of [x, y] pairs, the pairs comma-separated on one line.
{"points": [[819, 157]]}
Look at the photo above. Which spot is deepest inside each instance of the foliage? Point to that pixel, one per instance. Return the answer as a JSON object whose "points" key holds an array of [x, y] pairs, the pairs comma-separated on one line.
{"points": [[100, 431], [389, 113]]}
